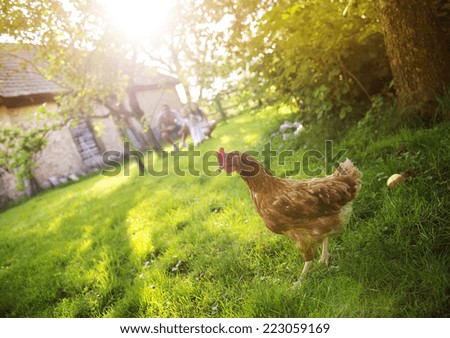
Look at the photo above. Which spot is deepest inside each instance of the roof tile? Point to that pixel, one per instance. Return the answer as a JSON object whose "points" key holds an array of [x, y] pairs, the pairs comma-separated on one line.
{"points": [[19, 78]]}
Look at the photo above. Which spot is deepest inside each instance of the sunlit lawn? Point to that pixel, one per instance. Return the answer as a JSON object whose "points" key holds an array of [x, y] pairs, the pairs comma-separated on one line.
{"points": [[193, 246]]}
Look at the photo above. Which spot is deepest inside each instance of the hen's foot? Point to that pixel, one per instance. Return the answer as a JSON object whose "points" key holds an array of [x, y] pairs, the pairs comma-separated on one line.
{"points": [[306, 267], [298, 283], [324, 260], [325, 255]]}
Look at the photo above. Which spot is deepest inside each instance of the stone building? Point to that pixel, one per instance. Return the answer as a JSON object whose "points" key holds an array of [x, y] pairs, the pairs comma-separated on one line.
{"points": [[74, 150]]}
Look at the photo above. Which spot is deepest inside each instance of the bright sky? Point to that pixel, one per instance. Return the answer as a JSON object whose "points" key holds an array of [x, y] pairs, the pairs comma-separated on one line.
{"points": [[138, 18]]}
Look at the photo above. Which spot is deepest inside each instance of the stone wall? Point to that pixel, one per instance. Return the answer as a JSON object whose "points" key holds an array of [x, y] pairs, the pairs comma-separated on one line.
{"points": [[61, 160], [60, 157]]}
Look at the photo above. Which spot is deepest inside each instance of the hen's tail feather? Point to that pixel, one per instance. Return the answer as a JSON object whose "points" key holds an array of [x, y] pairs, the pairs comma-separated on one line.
{"points": [[348, 169]]}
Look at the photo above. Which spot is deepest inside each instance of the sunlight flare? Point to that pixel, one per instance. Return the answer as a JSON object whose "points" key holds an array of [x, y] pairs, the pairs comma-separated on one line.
{"points": [[138, 18]]}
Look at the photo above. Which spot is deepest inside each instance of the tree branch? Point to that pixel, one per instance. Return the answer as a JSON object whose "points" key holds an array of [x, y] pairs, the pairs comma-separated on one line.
{"points": [[353, 76]]}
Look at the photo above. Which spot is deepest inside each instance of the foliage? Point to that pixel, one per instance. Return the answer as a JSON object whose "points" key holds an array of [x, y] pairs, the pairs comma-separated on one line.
{"points": [[70, 45], [194, 246], [189, 48], [324, 57], [19, 145]]}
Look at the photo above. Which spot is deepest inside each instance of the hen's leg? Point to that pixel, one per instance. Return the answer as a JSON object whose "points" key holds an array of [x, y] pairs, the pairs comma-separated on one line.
{"points": [[306, 267], [325, 254], [308, 248]]}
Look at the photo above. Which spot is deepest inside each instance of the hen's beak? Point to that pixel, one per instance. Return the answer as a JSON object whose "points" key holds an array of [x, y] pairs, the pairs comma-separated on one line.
{"points": [[220, 168]]}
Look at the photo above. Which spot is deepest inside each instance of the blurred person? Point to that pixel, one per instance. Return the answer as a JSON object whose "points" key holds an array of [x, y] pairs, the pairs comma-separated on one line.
{"points": [[197, 123], [170, 125], [206, 126]]}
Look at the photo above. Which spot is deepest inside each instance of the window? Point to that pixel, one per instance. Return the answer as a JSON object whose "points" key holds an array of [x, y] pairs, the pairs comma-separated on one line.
{"points": [[87, 147]]}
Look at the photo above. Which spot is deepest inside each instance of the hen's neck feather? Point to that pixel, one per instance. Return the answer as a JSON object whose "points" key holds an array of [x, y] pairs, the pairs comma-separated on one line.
{"points": [[261, 181]]}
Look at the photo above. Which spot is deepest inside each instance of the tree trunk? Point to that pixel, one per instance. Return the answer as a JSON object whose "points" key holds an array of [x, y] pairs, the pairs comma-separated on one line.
{"points": [[417, 52], [139, 113], [137, 110], [219, 106], [32, 186]]}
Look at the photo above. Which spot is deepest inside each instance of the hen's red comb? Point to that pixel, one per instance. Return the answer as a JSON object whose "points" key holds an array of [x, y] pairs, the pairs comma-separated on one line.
{"points": [[221, 155]]}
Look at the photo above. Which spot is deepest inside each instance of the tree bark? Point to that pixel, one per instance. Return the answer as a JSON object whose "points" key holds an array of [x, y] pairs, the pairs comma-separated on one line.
{"points": [[139, 113], [417, 51]]}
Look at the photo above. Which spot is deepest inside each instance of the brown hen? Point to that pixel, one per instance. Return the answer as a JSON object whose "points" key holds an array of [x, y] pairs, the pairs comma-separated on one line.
{"points": [[307, 211]]}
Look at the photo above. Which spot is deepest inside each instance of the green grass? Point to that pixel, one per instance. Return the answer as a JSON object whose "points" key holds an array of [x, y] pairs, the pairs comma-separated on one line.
{"points": [[194, 246]]}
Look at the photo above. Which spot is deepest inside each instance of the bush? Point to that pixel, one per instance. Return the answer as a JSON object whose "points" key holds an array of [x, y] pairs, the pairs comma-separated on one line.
{"points": [[326, 57]]}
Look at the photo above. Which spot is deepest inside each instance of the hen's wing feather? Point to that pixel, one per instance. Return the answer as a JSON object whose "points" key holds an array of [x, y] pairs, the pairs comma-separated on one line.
{"points": [[313, 198]]}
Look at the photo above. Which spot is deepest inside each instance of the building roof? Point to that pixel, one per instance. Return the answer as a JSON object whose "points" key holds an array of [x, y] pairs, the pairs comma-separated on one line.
{"points": [[18, 77]]}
